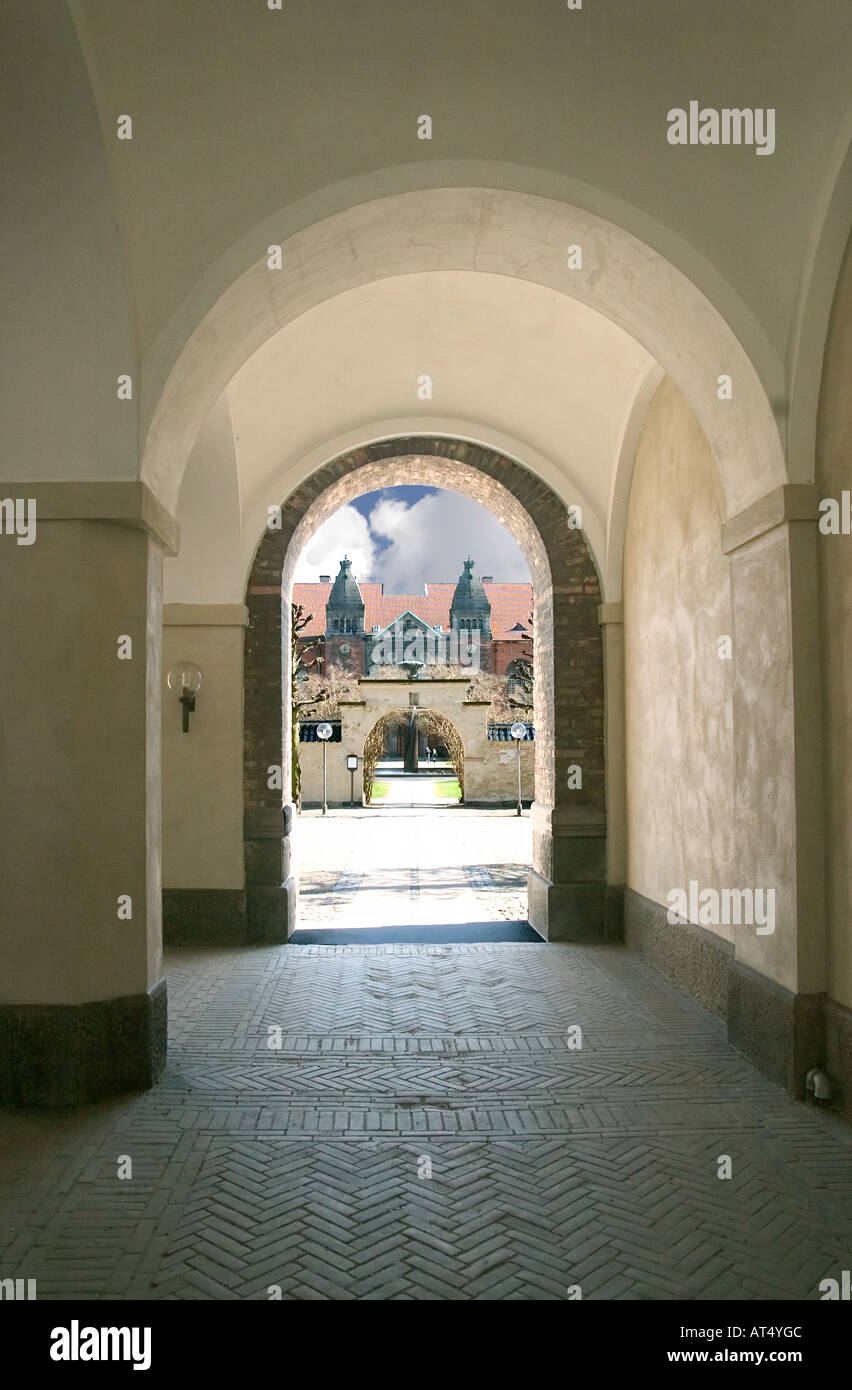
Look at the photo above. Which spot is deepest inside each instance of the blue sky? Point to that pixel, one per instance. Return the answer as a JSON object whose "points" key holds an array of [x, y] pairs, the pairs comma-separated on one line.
{"points": [[406, 536]]}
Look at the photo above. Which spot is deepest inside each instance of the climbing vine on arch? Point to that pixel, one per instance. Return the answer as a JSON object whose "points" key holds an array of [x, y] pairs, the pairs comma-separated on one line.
{"points": [[431, 722]]}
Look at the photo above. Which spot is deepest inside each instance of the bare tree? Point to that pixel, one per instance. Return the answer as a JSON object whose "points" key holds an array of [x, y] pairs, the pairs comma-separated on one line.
{"points": [[305, 662], [487, 686], [326, 691], [523, 675]]}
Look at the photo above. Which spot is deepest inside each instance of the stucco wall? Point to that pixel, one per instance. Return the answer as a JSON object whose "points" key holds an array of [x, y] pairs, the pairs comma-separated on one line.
{"points": [[677, 603], [835, 554], [203, 769], [79, 764]]}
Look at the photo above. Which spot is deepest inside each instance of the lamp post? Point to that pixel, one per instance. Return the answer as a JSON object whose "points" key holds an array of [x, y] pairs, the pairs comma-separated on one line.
{"points": [[324, 732], [519, 732]]}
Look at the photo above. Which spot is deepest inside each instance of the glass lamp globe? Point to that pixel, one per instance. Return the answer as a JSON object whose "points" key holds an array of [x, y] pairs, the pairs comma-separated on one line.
{"points": [[184, 678]]}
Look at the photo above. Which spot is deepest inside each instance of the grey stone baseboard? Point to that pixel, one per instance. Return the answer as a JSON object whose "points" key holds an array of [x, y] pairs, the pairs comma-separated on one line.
{"points": [[205, 917], [73, 1054], [271, 912], [782, 1033], [566, 911], [693, 958], [838, 1054], [263, 912], [614, 912]]}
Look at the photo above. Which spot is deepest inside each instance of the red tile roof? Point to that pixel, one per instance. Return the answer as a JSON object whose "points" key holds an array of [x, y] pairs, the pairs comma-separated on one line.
{"points": [[510, 604]]}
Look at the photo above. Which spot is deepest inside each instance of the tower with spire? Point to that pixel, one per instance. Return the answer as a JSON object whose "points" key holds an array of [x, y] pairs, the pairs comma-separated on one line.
{"points": [[344, 622], [344, 611], [470, 609]]}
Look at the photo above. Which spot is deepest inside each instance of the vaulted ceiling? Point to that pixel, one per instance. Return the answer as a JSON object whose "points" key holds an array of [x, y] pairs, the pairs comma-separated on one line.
{"points": [[298, 127]]}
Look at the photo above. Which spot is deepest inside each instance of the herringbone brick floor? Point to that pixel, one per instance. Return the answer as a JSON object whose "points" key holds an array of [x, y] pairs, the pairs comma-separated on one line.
{"points": [[303, 1166]]}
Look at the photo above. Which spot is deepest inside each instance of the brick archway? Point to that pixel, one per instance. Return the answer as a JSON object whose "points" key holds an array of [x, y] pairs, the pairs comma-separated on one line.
{"points": [[567, 888]]}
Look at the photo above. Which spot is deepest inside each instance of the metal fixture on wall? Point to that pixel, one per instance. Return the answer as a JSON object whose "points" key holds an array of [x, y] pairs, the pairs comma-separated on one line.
{"points": [[185, 678]]}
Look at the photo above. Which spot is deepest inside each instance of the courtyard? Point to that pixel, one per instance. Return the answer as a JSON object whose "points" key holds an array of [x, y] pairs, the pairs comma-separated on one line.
{"points": [[399, 864]]}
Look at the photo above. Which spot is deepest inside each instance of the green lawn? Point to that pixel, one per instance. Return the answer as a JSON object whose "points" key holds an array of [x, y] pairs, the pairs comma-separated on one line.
{"points": [[450, 788], [380, 789]]}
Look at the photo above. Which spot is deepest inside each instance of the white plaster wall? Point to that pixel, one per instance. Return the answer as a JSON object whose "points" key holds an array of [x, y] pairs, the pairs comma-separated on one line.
{"points": [[677, 602], [498, 350], [79, 764], [208, 567], [203, 769], [764, 759], [535, 90], [835, 553], [493, 234], [67, 327]]}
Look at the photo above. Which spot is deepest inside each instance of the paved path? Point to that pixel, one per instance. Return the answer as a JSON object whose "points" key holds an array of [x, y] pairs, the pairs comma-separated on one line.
{"points": [[305, 1165], [384, 866], [409, 789]]}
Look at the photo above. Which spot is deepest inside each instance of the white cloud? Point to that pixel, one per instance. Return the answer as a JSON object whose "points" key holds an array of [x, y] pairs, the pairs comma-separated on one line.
{"points": [[427, 540], [347, 532], [431, 538]]}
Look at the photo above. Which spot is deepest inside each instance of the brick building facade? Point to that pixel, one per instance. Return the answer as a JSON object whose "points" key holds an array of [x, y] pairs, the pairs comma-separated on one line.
{"points": [[473, 622]]}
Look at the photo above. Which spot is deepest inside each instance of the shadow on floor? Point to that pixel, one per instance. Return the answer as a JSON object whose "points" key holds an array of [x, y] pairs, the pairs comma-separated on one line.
{"points": [[429, 934]]}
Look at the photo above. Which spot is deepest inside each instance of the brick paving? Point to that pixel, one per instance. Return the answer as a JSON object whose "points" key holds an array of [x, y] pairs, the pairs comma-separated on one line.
{"points": [[302, 1166]]}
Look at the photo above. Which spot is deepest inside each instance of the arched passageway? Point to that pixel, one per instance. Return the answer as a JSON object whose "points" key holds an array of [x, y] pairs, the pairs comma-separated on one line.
{"points": [[429, 721], [567, 890], [655, 334]]}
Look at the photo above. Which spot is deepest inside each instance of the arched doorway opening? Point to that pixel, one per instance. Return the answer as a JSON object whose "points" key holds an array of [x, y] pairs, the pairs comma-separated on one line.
{"points": [[567, 883], [429, 722]]}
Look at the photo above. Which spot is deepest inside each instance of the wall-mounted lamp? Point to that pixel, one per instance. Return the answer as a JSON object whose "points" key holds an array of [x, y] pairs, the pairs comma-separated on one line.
{"points": [[185, 678]]}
